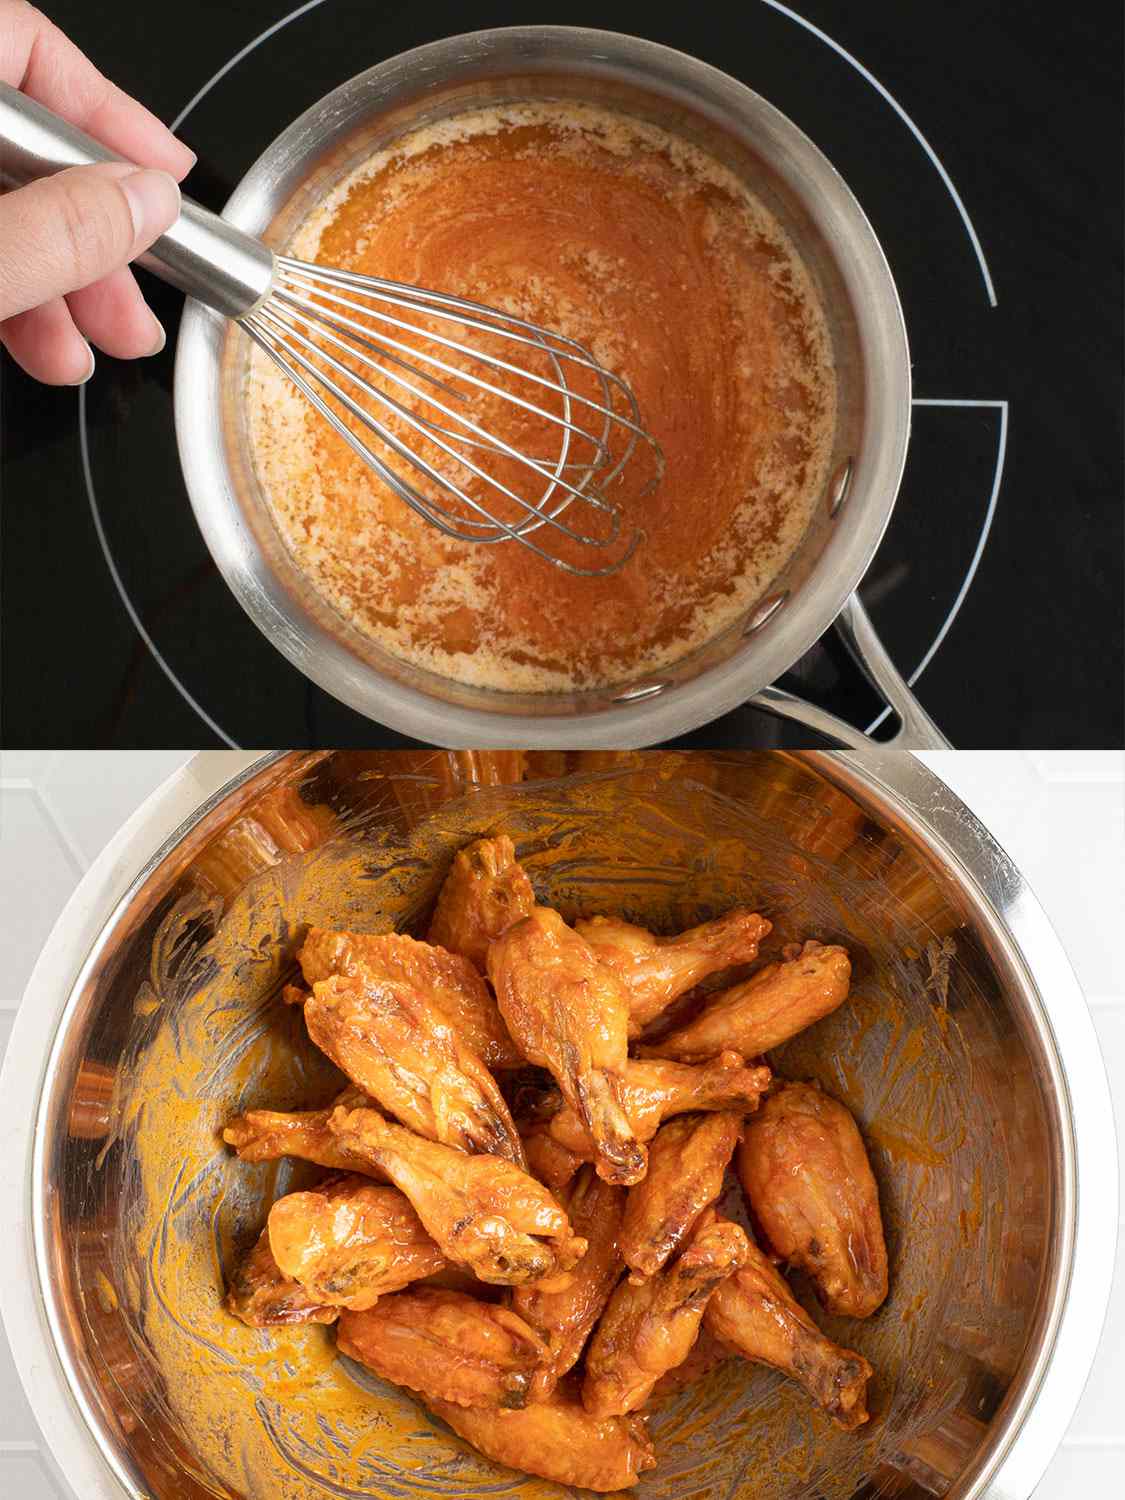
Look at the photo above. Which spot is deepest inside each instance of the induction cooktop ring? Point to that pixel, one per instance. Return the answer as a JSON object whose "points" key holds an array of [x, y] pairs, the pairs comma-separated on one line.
{"points": [[1000, 405]]}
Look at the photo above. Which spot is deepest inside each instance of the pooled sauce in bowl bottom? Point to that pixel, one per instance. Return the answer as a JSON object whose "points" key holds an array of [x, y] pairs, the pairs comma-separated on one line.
{"points": [[654, 256]]}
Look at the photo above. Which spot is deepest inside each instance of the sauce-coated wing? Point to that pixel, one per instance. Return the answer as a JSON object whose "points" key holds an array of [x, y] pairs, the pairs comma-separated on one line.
{"points": [[657, 970], [654, 1090], [766, 1009], [267, 1134], [485, 891], [755, 1314], [650, 1326], [557, 1439], [551, 1162], [350, 1242], [262, 1295], [809, 1184], [569, 1014], [446, 1346], [564, 1318], [398, 1046], [483, 1212], [686, 1165], [447, 979]]}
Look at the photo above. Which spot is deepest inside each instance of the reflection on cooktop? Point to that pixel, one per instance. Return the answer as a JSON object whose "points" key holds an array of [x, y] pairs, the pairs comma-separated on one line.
{"points": [[997, 587]]}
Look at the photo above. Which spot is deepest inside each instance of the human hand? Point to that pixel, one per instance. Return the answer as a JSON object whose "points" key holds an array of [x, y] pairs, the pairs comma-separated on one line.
{"points": [[66, 241]]}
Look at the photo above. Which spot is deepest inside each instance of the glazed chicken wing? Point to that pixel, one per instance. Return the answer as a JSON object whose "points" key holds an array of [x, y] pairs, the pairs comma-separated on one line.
{"points": [[654, 1090], [569, 1014], [564, 1318], [485, 891], [810, 1188], [755, 1314], [350, 1242], [766, 1009], [686, 1164], [558, 1440], [657, 970], [390, 1038], [650, 1326], [483, 1212], [447, 979], [267, 1134], [550, 1161], [263, 1296], [446, 1346]]}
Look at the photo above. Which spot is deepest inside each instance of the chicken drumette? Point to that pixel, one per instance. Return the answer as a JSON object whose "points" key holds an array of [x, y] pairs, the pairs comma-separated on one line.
{"points": [[755, 1314], [564, 1318], [449, 980], [557, 1439], [686, 1164], [654, 1090], [266, 1134], [767, 1009], [395, 1042], [349, 1242], [446, 1346], [263, 1296], [483, 1212], [568, 1013], [656, 970], [649, 1326], [811, 1192], [485, 891]]}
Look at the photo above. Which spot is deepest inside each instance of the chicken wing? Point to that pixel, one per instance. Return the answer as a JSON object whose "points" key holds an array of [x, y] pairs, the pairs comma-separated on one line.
{"points": [[447, 979], [483, 1212], [262, 1295], [650, 1326], [446, 1346], [349, 1242], [485, 891], [653, 1090], [766, 1009], [557, 1439], [266, 1134], [755, 1314], [809, 1185], [569, 1014], [393, 1042], [564, 1319], [547, 1159], [657, 970], [686, 1164]]}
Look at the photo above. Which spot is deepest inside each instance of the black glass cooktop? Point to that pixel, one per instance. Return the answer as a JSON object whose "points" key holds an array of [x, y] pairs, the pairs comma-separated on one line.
{"points": [[984, 141]]}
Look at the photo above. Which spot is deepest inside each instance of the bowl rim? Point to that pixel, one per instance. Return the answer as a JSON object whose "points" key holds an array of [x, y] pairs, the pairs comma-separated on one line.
{"points": [[1034, 1419], [324, 657]]}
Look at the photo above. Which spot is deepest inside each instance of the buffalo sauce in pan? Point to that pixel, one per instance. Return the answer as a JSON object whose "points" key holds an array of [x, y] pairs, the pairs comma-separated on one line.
{"points": [[656, 258]]}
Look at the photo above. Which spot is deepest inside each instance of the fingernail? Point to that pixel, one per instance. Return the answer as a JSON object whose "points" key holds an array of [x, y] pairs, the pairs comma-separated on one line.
{"points": [[159, 337], [82, 379], [154, 202]]}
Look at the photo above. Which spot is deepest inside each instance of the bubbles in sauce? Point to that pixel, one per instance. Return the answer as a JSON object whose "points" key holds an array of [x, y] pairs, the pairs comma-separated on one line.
{"points": [[653, 255]]}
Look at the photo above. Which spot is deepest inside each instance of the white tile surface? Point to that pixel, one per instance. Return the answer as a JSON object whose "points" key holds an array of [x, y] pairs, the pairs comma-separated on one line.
{"points": [[1060, 816]]}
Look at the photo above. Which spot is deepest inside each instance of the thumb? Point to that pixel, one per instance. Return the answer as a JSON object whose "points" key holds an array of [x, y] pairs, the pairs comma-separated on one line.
{"points": [[66, 231]]}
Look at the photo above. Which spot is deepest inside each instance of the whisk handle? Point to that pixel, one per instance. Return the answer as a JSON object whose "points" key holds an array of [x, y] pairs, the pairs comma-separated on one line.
{"points": [[201, 254]]}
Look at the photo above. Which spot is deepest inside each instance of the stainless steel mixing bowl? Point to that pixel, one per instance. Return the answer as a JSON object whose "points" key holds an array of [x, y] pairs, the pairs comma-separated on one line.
{"points": [[817, 586], [966, 1052]]}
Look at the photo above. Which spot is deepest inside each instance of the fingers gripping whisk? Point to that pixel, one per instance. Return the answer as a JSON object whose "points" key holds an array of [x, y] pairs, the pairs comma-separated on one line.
{"points": [[488, 426]]}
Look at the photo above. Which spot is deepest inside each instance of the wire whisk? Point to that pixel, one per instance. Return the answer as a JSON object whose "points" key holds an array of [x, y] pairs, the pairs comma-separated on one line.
{"points": [[491, 428]]}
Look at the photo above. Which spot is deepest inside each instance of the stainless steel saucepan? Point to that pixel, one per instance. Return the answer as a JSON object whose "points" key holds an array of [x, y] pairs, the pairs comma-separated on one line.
{"points": [[819, 584], [966, 1053]]}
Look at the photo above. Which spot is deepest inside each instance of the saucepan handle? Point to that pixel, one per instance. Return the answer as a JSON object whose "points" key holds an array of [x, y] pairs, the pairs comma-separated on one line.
{"points": [[917, 731]]}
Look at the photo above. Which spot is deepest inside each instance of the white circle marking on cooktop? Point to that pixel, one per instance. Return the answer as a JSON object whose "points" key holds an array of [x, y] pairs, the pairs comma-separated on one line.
{"points": [[883, 92]]}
